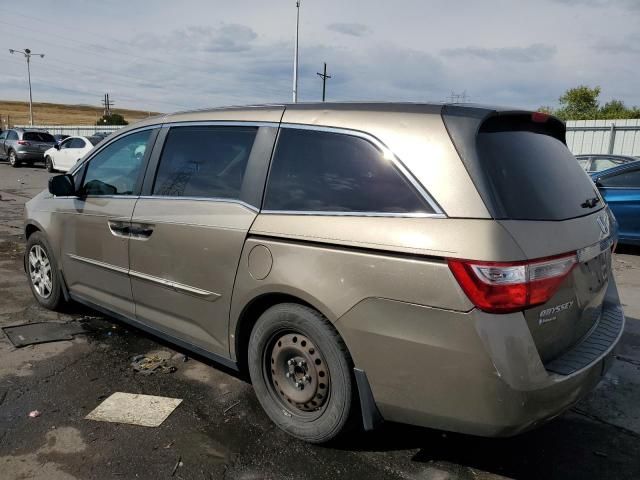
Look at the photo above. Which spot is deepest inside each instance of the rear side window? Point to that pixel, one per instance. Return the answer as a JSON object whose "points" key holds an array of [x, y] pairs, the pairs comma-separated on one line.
{"points": [[204, 162], [13, 135], [333, 172], [629, 179], [38, 137], [77, 143]]}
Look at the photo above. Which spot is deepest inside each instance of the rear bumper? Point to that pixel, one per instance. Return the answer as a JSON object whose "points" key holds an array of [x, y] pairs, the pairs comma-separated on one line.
{"points": [[471, 372], [26, 155]]}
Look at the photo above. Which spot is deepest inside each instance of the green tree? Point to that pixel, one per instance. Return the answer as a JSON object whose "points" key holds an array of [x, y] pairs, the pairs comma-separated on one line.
{"points": [[113, 119], [579, 103], [613, 109]]}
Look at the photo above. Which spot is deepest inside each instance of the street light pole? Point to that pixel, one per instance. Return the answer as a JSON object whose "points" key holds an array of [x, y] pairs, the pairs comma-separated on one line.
{"points": [[295, 55], [28, 54]]}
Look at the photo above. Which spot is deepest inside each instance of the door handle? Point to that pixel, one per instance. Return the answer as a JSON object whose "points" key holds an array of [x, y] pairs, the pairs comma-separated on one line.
{"points": [[141, 231], [119, 228]]}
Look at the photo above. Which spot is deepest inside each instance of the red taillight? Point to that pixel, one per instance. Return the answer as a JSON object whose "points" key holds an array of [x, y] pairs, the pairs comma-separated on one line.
{"points": [[502, 287], [23, 142]]}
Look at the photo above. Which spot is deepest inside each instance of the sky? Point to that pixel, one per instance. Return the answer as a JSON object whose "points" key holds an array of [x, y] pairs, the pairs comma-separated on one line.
{"points": [[174, 55]]}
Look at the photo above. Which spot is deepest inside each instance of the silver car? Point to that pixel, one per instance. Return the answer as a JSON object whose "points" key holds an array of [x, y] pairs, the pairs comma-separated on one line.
{"points": [[26, 145]]}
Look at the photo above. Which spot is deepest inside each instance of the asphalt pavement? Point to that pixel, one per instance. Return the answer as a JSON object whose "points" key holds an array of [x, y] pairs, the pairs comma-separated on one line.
{"points": [[219, 429]]}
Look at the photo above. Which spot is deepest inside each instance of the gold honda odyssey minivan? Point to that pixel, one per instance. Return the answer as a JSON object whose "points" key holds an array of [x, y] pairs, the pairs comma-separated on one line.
{"points": [[440, 265]]}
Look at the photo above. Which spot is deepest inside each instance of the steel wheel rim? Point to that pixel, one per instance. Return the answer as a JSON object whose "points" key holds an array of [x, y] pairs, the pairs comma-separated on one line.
{"points": [[297, 374], [40, 271]]}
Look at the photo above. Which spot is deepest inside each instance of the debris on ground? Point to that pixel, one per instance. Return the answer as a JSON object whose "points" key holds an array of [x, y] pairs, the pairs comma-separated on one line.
{"points": [[34, 413], [231, 406], [135, 409], [178, 464], [42, 332], [148, 365]]}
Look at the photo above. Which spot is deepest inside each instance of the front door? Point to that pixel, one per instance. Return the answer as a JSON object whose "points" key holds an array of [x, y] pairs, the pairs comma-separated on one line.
{"points": [[95, 244], [61, 156], [187, 234]]}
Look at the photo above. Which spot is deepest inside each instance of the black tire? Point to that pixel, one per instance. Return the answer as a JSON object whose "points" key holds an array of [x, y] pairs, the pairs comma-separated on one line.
{"points": [[48, 163], [54, 299], [14, 161], [332, 381]]}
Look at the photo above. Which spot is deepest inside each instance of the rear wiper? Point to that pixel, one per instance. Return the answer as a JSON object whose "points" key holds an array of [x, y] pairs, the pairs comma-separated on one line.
{"points": [[590, 202]]}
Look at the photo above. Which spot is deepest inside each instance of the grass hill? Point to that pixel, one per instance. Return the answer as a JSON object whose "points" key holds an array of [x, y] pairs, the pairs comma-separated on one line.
{"points": [[60, 114]]}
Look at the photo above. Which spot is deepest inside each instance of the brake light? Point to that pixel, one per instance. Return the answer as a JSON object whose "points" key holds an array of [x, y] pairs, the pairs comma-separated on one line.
{"points": [[503, 287], [23, 142]]}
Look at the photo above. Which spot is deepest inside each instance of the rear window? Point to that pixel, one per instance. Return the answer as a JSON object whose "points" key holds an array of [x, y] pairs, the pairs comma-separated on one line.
{"points": [[38, 137], [524, 170]]}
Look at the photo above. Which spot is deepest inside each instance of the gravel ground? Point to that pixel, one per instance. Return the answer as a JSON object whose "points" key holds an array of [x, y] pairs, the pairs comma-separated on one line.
{"points": [[219, 430]]}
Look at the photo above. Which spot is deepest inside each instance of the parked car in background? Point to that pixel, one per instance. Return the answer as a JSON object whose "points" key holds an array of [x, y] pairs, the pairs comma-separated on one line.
{"points": [[24, 145], [60, 137], [620, 188], [67, 153], [600, 162], [316, 248]]}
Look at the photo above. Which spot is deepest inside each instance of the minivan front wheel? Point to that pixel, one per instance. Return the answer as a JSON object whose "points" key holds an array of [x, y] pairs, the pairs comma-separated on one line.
{"points": [[13, 159], [301, 371], [43, 272]]}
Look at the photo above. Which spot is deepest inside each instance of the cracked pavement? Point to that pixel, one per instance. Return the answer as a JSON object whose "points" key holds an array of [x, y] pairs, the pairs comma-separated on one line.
{"points": [[220, 431]]}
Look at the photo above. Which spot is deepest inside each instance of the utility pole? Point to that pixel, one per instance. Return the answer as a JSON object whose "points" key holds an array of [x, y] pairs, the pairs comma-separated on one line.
{"points": [[324, 77], [107, 105], [28, 54], [295, 55]]}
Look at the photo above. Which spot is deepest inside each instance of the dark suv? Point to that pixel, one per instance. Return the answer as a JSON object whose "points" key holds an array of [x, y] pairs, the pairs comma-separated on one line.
{"points": [[28, 145]]}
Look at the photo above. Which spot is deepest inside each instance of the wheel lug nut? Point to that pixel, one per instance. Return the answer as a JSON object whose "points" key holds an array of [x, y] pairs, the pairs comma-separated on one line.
{"points": [[288, 375]]}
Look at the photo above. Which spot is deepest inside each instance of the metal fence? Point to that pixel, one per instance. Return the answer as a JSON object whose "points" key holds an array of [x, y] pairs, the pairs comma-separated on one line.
{"points": [[75, 130], [621, 137]]}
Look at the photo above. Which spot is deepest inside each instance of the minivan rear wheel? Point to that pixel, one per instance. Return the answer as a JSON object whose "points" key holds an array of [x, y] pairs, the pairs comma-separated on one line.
{"points": [[42, 270], [301, 371]]}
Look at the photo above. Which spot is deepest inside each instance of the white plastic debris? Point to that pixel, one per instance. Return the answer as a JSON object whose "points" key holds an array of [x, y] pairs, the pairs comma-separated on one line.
{"points": [[135, 409]]}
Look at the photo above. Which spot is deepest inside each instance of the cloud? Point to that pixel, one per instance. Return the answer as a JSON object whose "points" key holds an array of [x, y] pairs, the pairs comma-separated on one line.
{"points": [[627, 46], [628, 4], [353, 29], [537, 52], [227, 37]]}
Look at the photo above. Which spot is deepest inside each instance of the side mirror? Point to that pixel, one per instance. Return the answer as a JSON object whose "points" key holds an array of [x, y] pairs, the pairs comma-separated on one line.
{"points": [[57, 146], [62, 186]]}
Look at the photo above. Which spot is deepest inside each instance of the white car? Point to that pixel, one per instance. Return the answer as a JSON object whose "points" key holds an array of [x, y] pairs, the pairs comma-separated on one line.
{"points": [[67, 153]]}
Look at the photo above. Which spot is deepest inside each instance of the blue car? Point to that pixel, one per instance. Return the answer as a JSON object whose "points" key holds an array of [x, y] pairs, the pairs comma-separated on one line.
{"points": [[620, 188]]}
